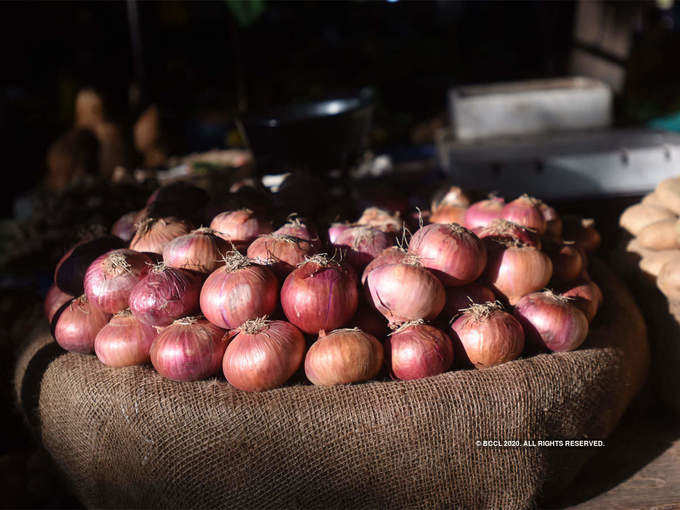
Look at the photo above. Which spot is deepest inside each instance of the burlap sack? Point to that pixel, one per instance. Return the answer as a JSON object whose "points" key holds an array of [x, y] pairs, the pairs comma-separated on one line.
{"points": [[129, 438]]}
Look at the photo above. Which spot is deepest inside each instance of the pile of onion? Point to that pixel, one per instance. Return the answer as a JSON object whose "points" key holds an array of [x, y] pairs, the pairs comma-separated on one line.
{"points": [[240, 227], [417, 350], [125, 227], [482, 213], [452, 252], [343, 356], [525, 211], [487, 335], [70, 271], [320, 294], [551, 321], [201, 250], [367, 319], [460, 298], [504, 230], [451, 196], [553, 222], [298, 228], [78, 325], [153, 234], [583, 232], [238, 291], [391, 255], [165, 294], [263, 355], [54, 300], [336, 229], [110, 278], [189, 349], [449, 214], [361, 245], [124, 341], [586, 296], [568, 262], [280, 252], [381, 219]]}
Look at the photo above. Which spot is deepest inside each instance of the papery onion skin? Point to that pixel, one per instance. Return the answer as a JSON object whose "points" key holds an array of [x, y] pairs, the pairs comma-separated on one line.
{"points": [[391, 255], [124, 341], [164, 295], [482, 213], [189, 349], [525, 211], [201, 250], [586, 296], [582, 232], [362, 244], [54, 300], [153, 234], [449, 214], [568, 263], [262, 359], [336, 229], [381, 219], [343, 356], [489, 338], [459, 298], [111, 277], [296, 227], [453, 195], [418, 351], [453, 253], [406, 292], [281, 253], [240, 227], [507, 231], [78, 325], [233, 295], [551, 322], [124, 227], [553, 221], [320, 296]]}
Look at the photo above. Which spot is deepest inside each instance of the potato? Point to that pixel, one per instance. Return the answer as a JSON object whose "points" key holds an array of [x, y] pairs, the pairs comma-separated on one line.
{"points": [[660, 235], [668, 192], [638, 216], [654, 261], [669, 279], [651, 199]]}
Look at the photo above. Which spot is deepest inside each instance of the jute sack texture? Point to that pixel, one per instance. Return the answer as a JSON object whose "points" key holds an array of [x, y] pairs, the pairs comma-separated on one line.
{"points": [[129, 438]]}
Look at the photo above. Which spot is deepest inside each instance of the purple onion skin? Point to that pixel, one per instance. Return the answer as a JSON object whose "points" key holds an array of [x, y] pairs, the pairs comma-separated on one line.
{"points": [[335, 230], [77, 325], [161, 297], [124, 341], [361, 254], [418, 351], [458, 298], [125, 227], [391, 255], [196, 252], [69, 274]]}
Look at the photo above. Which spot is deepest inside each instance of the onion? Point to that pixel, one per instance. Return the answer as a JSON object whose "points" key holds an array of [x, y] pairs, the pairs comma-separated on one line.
{"points": [[406, 292], [449, 214], [296, 227], [153, 234], [488, 336], [381, 219], [110, 278], [281, 253], [78, 325], [553, 222], [391, 255], [415, 351], [586, 296], [179, 199], [125, 227], [165, 294], [583, 232], [452, 195], [189, 349], [336, 229], [568, 263], [240, 227], [552, 321], [452, 252], [239, 291], [367, 319], [263, 355], [320, 294], [516, 270], [343, 356], [459, 298], [481, 214], [201, 250], [124, 341], [362, 244], [70, 271], [504, 230], [525, 211], [54, 299]]}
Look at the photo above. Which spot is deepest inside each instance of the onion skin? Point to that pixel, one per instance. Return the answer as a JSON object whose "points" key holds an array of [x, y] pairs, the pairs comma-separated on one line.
{"points": [[488, 341], [320, 296], [381, 219], [452, 195], [391, 255], [553, 221], [281, 253], [582, 232], [418, 351], [264, 359], [201, 250], [240, 227], [515, 271], [459, 298], [507, 231], [153, 234], [70, 271], [525, 211], [368, 320], [231, 297], [482, 213], [54, 300], [336, 229], [453, 253], [124, 227], [552, 322], [110, 278], [567, 263], [343, 356], [586, 296], [189, 350], [362, 244], [78, 325], [299, 229], [124, 341], [164, 295], [406, 292], [449, 214]]}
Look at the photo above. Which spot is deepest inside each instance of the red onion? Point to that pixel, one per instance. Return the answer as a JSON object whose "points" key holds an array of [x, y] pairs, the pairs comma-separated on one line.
{"points": [[125, 227], [296, 227], [415, 351], [391, 255], [452, 252], [405, 292], [381, 219], [504, 230], [459, 298], [201, 250], [449, 214], [367, 319], [362, 244], [516, 270], [165, 294], [567, 263], [553, 221], [481, 214], [189, 349], [240, 227], [583, 232], [111, 277], [525, 211], [78, 325], [70, 271], [239, 291], [452, 195], [124, 341], [281, 253], [320, 294], [586, 296], [54, 300], [551, 321], [343, 356], [263, 355], [336, 229], [153, 234], [488, 336]]}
